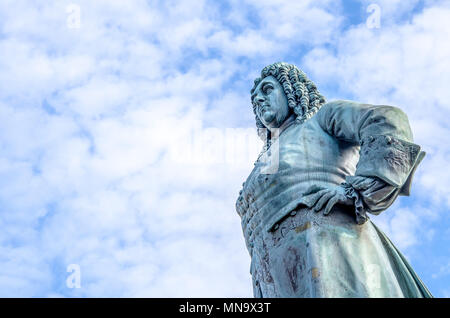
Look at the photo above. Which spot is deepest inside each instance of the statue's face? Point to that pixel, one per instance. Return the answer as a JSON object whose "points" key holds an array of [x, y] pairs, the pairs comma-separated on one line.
{"points": [[271, 102]]}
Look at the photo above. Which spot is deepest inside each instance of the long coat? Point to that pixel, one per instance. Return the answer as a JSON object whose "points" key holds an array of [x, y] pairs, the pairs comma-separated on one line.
{"points": [[297, 252]]}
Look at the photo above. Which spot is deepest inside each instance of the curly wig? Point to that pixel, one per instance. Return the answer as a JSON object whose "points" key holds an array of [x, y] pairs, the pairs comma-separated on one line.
{"points": [[302, 94]]}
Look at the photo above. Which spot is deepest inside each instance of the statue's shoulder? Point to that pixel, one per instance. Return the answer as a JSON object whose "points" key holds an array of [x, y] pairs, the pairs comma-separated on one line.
{"points": [[353, 108], [343, 103], [339, 108]]}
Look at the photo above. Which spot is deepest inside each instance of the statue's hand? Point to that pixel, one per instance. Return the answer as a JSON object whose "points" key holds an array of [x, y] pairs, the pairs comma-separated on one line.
{"points": [[320, 197]]}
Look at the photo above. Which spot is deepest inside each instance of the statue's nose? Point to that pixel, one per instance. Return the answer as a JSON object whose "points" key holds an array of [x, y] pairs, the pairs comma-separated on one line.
{"points": [[259, 99]]}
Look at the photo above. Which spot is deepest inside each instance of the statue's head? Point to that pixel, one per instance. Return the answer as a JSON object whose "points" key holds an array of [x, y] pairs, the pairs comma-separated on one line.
{"points": [[281, 91]]}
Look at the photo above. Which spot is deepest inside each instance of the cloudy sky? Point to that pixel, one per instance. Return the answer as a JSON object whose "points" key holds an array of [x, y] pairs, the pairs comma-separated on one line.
{"points": [[126, 132]]}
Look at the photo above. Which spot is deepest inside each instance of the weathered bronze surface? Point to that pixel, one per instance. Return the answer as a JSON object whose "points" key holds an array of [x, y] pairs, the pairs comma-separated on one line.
{"points": [[305, 205]]}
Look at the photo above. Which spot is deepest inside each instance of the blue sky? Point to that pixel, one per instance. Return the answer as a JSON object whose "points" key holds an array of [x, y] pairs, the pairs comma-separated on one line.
{"points": [[115, 134]]}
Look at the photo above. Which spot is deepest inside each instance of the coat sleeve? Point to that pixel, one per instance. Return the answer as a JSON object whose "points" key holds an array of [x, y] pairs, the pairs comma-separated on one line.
{"points": [[388, 156]]}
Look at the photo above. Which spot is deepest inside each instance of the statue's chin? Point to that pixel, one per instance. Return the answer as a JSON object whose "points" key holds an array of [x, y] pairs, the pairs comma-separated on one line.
{"points": [[268, 117]]}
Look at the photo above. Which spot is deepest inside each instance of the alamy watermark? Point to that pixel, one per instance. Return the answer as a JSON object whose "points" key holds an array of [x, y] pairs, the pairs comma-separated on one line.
{"points": [[74, 279], [230, 146], [74, 16], [374, 19]]}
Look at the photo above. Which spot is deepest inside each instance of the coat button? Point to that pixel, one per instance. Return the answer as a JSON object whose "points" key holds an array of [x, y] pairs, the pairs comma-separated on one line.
{"points": [[388, 140]]}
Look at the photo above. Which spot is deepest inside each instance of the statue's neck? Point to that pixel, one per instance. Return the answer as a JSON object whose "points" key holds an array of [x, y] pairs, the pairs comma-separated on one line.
{"points": [[289, 121]]}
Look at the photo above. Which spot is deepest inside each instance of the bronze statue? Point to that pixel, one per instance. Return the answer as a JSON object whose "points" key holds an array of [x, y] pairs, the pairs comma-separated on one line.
{"points": [[304, 206]]}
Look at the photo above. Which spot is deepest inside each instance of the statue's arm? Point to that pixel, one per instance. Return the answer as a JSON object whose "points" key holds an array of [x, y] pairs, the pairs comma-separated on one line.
{"points": [[388, 156]]}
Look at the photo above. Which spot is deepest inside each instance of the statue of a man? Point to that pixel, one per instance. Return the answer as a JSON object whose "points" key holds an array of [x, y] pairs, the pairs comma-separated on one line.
{"points": [[304, 206]]}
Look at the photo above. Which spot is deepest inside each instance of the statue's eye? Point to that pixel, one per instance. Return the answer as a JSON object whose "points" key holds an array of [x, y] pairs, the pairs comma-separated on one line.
{"points": [[267, 88]]}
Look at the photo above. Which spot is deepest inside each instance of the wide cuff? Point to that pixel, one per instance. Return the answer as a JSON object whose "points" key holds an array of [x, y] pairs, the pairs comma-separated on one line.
{"points": [[391, 159], [360, 211]]}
